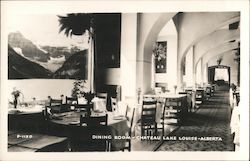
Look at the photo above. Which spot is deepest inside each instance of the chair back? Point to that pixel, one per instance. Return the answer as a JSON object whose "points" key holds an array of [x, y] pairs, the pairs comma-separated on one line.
{"points": [[71, 100], [86, 108], [81, 137], [54, 102], [183, 92], [55, 105], [148, 113], [114, 103], [95, 120], [174, 109]]}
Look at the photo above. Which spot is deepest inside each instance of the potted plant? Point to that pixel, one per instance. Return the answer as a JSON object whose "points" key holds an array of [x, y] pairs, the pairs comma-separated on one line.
{"points": [[79, 90]]}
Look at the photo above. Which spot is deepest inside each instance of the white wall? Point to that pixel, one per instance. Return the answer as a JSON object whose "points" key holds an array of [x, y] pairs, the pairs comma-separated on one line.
{"points": [[188, 77], [128, 54], [40, 88], [205, 74], [170, 77], [198, 73]]}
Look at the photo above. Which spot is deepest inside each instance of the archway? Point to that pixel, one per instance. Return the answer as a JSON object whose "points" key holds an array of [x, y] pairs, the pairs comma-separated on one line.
{"points": [[164, 64], [150, 25], [219, 75]]}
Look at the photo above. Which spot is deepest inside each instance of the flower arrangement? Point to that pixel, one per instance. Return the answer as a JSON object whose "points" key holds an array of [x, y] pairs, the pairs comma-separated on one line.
{"points": [[89, 96], [16, 93]]}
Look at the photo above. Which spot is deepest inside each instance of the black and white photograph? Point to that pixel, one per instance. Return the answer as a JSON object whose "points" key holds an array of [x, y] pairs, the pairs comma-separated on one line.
{"points": [[82, 81]]}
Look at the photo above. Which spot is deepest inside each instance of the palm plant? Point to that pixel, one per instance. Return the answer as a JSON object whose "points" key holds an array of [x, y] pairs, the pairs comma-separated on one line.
{"points": [[76, 24], [80, 24]]}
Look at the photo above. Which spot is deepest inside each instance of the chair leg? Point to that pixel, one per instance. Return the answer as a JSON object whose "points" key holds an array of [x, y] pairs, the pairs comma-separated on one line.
{"points": [[129, 145], [156, 130], [108, 146], [163, 129]]}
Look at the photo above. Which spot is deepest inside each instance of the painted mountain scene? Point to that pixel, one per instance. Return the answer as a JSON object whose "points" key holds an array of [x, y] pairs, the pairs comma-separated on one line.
{"points": [[27, 60], [43, 52]]}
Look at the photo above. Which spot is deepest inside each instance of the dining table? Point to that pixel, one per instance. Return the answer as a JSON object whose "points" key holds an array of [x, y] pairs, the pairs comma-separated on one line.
{"points": [[29, 118], [117, 125]]}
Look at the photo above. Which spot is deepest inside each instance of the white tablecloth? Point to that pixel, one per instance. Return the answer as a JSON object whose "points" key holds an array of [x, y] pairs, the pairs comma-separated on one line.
{"points": [[28, 109], [235, 124]]}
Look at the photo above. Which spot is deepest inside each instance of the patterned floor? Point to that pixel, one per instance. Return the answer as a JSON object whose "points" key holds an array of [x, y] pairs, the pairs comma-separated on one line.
{"points": [[212, 119]]}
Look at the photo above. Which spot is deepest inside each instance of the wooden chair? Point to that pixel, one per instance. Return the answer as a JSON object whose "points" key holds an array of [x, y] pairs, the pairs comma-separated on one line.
{"points": [[208, 92], [199, 97], [55, 106], [129, 135], [96, 125], [148, 116], [171, 111], [86, 108], [71, 100], [114, 105], [80, 137]]}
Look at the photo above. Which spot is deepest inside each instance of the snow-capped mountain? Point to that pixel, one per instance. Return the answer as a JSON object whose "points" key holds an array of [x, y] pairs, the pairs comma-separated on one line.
{"points": [[50, 57], [25, 58]]}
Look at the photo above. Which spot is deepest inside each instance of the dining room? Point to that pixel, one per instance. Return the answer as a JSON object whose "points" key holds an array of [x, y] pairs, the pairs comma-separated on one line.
{"points": [[135, 82]]}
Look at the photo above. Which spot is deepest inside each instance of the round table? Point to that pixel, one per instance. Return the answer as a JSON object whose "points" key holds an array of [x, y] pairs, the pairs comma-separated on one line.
{"points": [[26, 118], [68, 122]]}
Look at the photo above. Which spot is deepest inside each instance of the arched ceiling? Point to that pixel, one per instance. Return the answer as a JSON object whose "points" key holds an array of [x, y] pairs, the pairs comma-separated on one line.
{"points": [[153, 32], [193, 27], [221, 49], [168, 29], [213, 40]]}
